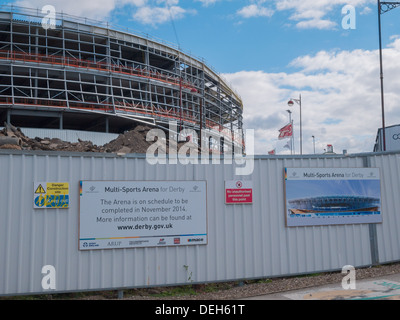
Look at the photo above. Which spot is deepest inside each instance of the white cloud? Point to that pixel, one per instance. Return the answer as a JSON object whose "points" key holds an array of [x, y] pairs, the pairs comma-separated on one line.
{"points": [[255, 10], [157, 12], [307, 14], [94, 9], [158, 15], [313, 14], [365, 11], [153, 12], [137, 3], [207, 3], [316, 23], [340, 93]]}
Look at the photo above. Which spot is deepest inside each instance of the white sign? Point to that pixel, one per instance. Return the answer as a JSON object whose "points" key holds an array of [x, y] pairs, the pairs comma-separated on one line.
{"points": [[128, 214], [326, 196]]}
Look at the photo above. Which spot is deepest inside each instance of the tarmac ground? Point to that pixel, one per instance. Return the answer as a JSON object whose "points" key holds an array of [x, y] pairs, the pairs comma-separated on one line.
{"points": [[379, 288]]}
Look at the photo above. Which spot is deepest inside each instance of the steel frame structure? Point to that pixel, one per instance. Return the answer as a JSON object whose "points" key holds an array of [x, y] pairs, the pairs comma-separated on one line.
{"points": [[86, 76]]}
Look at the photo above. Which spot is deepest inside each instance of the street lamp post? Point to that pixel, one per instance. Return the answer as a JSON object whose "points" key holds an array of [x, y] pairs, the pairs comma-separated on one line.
{"points": [[291, 138], [382, 8], [313, 139], [290, 104]]}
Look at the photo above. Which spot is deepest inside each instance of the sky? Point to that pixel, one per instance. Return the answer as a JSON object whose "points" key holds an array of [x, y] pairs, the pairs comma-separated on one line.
{"points": [[296, 189], [270, 51]]}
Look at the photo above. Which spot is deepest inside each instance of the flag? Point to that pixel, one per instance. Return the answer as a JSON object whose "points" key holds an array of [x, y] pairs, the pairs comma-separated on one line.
{"points": [[287, 145], [272, 151], [286, 131]]}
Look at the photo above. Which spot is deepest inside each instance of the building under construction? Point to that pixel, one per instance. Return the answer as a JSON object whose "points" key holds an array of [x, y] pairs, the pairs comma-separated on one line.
{"points": [[80, 74]]}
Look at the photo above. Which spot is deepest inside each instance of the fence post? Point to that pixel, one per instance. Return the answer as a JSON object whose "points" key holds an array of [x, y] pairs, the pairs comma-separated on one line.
{"points": [[373, 238]]}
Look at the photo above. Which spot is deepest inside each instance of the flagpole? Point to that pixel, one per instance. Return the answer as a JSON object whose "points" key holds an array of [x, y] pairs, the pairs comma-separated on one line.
{"points": [[301, 131], [294, 150], [290, 104], [291, 138], [286, 132]]}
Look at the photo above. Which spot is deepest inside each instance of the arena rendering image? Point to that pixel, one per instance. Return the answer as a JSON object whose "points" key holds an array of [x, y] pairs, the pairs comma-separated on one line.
{"points": [[323, 196], [333, 209], [80, 74], [334, 205]]}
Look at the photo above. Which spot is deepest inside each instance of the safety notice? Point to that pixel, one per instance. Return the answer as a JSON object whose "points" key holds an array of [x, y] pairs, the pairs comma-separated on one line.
{"points": [[238, 192], [50, 195]]}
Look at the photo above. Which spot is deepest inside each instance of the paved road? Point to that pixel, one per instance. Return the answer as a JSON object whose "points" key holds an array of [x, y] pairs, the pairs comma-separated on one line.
{"points": [[380, 288]]}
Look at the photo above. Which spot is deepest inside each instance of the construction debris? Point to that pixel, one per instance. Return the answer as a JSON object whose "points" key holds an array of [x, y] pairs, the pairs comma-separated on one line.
{"points": [[133, 141]]}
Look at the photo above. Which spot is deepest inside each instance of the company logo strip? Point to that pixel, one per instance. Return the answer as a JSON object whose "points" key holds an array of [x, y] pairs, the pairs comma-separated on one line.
{"points": [[167, 236], [112, 243]]}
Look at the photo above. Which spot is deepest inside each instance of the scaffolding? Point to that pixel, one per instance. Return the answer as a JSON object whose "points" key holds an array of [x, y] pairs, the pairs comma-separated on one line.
{"points": [[84, 75]]}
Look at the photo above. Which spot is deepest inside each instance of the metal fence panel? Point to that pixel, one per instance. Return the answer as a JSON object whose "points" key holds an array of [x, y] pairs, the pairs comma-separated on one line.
{"points": [[388, 237], [244, 241]]}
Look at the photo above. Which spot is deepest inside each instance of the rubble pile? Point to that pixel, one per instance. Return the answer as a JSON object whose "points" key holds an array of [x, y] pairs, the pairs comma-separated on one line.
{"points": [[133, 141]]}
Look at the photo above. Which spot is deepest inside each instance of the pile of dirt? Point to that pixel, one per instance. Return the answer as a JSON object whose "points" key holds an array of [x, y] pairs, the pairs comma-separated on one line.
{"points": [[133, 141]]}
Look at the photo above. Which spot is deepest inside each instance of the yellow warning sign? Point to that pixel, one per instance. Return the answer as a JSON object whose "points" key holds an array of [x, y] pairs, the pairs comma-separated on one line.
{"points": [[40, 189], [51, 195]]}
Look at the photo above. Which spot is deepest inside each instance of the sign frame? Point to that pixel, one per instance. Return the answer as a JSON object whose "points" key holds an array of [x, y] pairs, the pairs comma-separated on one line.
{"points": [[310, 199], [237, 192], [51, 195], [142, 235]]}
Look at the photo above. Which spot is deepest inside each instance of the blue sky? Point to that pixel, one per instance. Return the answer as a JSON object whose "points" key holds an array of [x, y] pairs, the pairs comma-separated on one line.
{"points": [[296, 189], [272, 50]]}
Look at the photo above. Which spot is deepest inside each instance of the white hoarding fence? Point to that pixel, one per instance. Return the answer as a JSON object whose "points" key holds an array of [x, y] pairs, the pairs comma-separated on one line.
{"points": [[133, 224]]}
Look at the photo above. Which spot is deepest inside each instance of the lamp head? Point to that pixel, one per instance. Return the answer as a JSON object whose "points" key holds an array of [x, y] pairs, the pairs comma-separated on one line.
{"points": [[290, 103]]}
